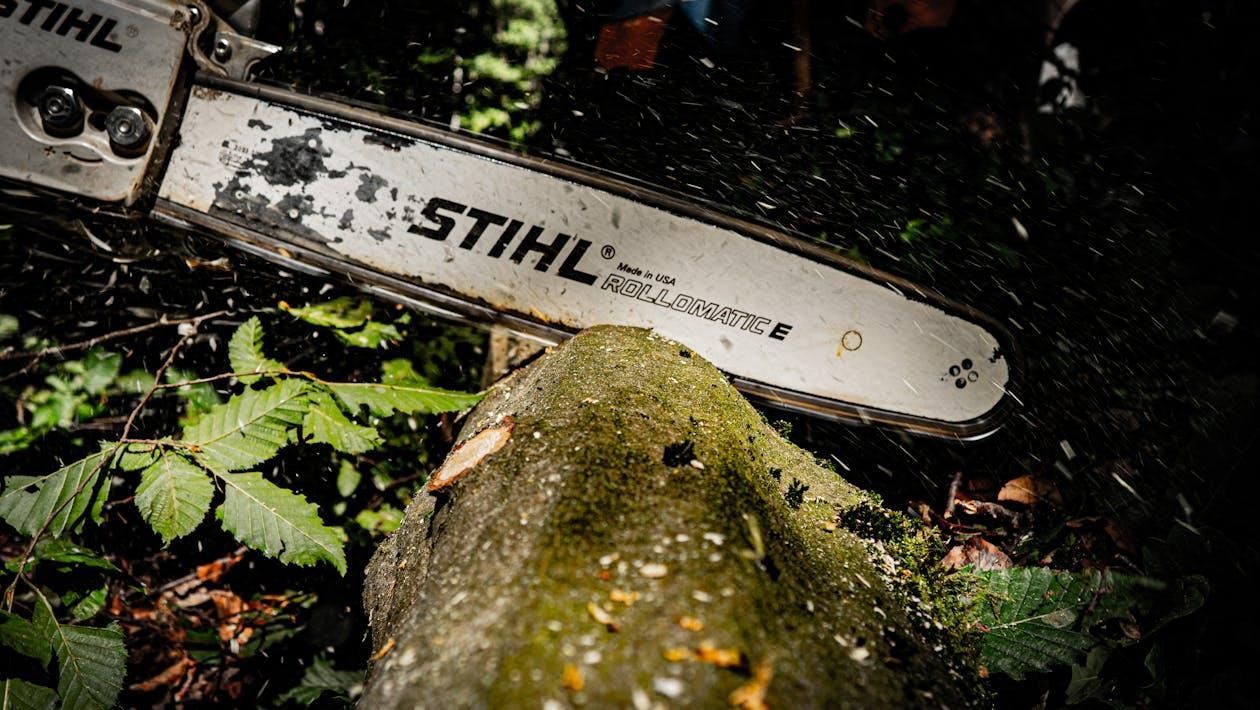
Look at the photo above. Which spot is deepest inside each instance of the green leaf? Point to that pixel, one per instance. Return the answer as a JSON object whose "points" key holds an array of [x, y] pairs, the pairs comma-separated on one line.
{"points": [[343, 312], [134, 382], [173, 496], [1038, 618], [351, 321], [21, 635], [91, 661], [137, 457], [327, 424], [9, 326], [384, 399], [250, 427], [100, 369], [379, 522], [400, 371], [372, 335], [1088, 681], [277, 522], [64, 552], [348, 478], [84, 603], [321, 678], [19, 695], [15, 440], [73, 490], [245, 351]]}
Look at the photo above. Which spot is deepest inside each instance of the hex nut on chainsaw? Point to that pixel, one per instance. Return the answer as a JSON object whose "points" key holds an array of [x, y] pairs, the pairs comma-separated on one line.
{"points": [[128, 130], [60, 111]]}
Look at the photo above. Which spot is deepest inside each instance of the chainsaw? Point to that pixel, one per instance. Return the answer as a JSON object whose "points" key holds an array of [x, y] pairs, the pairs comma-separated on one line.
{"points": [[146, 108]]}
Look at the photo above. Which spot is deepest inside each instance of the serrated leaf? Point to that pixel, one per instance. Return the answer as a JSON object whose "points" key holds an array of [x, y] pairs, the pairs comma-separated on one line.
{"points": [[385, 399], [73, 491], [21, 636], [250, 427], [245, 351], [277, 522], [91, 662], [326, 424], [173, 496], [320, 678], [1038, 618], [19, 695]]}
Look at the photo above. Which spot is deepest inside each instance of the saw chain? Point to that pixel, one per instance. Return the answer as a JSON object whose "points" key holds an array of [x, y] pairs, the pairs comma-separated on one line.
{"points": [[145, 108]]}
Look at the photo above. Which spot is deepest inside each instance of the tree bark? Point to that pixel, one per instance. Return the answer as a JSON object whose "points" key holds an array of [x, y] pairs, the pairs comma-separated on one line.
{"points": [[624, 529]]}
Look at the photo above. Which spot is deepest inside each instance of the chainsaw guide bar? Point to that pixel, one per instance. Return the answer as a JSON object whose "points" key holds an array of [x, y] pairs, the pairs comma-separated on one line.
{"points": [[466, 228]]}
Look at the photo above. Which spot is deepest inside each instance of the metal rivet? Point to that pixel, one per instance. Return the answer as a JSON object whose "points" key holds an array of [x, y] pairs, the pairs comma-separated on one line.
{"points": [[222, 50]]}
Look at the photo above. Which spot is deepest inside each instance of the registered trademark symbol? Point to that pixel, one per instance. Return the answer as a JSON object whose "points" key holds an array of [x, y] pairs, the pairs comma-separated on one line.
{"points": [[132, 31], [608, 252]]}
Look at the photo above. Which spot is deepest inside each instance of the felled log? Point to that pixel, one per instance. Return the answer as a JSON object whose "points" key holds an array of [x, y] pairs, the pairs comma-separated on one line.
{"points": [[619, 527]]}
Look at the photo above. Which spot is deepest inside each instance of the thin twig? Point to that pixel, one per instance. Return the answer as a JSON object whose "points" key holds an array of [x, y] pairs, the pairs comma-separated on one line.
{"points": [[224, 376], [97, 340], [952, 497]]}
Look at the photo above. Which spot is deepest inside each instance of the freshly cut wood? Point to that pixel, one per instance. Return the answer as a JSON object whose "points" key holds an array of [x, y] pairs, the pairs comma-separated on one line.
{"points": [[621, 528]]}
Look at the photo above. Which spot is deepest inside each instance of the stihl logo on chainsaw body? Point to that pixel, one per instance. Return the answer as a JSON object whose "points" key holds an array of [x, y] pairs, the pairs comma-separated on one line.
{"points": [[63, 20], [439, 214]]}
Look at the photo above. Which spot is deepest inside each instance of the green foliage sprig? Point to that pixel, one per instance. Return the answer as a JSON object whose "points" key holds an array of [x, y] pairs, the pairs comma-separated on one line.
{"points": [[216, 454]]}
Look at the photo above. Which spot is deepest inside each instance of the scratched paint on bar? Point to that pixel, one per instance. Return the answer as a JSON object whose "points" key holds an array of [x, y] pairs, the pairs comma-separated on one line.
{"points": [[572, 255]]}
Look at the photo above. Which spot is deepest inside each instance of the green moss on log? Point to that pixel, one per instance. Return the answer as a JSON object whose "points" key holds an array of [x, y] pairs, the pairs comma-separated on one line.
{"points": [[635, 472]]}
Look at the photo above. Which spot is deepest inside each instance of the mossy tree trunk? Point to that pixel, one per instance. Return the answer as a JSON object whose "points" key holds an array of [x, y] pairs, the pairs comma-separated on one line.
{"points": [[634, 533]]}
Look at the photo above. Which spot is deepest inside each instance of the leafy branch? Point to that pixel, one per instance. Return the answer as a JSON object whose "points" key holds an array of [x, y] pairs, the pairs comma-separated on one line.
{"points": [[216, 454]]}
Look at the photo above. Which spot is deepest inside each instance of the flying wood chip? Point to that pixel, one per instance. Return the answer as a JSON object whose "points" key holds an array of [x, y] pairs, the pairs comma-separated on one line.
{"points": [[471, 452]]}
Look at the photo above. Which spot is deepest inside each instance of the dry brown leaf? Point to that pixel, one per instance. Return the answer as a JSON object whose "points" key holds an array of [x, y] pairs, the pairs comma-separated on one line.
{"points": [[572, 678], [977, 552], [170, 675], [213, 571], [229, 608], [1029, 490]]}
